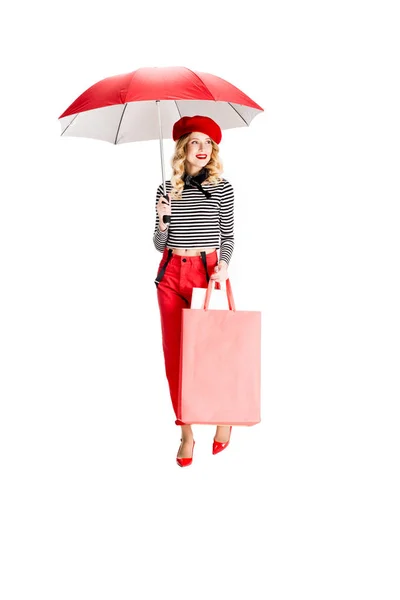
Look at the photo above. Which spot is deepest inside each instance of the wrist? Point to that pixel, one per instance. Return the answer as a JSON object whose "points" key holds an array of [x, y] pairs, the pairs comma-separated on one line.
{"points": [[222, 264]]}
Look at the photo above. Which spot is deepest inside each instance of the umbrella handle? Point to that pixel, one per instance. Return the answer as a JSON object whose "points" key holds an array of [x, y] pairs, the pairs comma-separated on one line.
{"points": [[166, 218]]}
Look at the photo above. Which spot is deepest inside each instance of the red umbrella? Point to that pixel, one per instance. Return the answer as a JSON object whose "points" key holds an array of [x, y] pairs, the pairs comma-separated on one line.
{"points": [[144, 105]]}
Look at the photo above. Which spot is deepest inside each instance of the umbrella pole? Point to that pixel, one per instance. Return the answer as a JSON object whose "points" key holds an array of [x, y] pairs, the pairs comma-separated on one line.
{"points": [[161, 145]]}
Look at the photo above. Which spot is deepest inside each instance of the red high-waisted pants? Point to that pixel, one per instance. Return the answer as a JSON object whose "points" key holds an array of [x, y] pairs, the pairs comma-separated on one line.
{"points": [[174, 293]]}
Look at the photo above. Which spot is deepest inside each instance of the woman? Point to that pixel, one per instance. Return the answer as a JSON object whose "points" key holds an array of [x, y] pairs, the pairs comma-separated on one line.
{"points": [[200, 206]]}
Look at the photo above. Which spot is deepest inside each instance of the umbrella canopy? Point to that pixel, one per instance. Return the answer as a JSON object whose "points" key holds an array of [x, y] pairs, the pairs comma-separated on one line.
{"points": [[145, 104], [123, 108]]}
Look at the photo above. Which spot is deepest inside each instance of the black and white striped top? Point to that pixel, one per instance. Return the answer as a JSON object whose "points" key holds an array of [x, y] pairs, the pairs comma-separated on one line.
{"points": [[199, 222]]}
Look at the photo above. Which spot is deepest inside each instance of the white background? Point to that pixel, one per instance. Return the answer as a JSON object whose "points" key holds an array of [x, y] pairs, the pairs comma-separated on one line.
{"points": [[303, 505]]}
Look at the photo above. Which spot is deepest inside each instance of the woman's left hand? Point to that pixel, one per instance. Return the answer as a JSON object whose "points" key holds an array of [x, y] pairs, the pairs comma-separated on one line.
{"points": [[221, 272]]}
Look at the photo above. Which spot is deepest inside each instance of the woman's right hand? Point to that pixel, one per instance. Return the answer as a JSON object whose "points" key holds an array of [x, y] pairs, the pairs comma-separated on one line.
{"points": [[163, 208]]}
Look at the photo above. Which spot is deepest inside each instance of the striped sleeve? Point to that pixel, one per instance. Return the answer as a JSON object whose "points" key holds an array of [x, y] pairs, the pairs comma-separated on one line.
{"points": [[159, 237], [226, 221]]}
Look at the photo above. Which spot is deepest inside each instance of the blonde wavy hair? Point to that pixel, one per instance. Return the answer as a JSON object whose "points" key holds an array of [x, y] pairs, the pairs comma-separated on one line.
{"points": [[214, 166]]}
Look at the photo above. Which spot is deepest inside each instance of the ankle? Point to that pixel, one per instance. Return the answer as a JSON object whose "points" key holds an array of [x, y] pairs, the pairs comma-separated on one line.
{"points": [[187, 434], [222, 428], [187, 439]]}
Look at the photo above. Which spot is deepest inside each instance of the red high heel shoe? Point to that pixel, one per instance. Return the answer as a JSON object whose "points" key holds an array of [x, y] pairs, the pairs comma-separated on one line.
{"points": [[219, 446], [184, 462]]}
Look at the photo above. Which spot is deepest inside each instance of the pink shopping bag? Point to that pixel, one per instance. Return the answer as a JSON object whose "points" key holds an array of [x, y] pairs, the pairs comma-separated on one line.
{"points": [[220, 365]]}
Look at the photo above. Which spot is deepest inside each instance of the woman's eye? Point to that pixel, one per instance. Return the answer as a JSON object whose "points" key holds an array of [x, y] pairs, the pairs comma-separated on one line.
{"points": [[196, 142]]}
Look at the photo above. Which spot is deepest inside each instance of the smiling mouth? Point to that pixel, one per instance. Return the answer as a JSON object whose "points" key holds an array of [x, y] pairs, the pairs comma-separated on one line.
{"points": [[201, 156]]}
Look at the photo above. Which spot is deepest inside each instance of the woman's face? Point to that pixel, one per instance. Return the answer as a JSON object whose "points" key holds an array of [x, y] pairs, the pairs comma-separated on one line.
{"points": [[198, 152]]}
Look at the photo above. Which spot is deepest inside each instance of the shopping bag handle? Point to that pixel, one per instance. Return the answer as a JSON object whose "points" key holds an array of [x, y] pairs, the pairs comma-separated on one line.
{"points": [[231, 302]]}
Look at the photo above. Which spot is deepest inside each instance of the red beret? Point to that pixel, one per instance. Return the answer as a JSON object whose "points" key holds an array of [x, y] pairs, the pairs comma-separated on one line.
{"points": [[197, 123]]}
